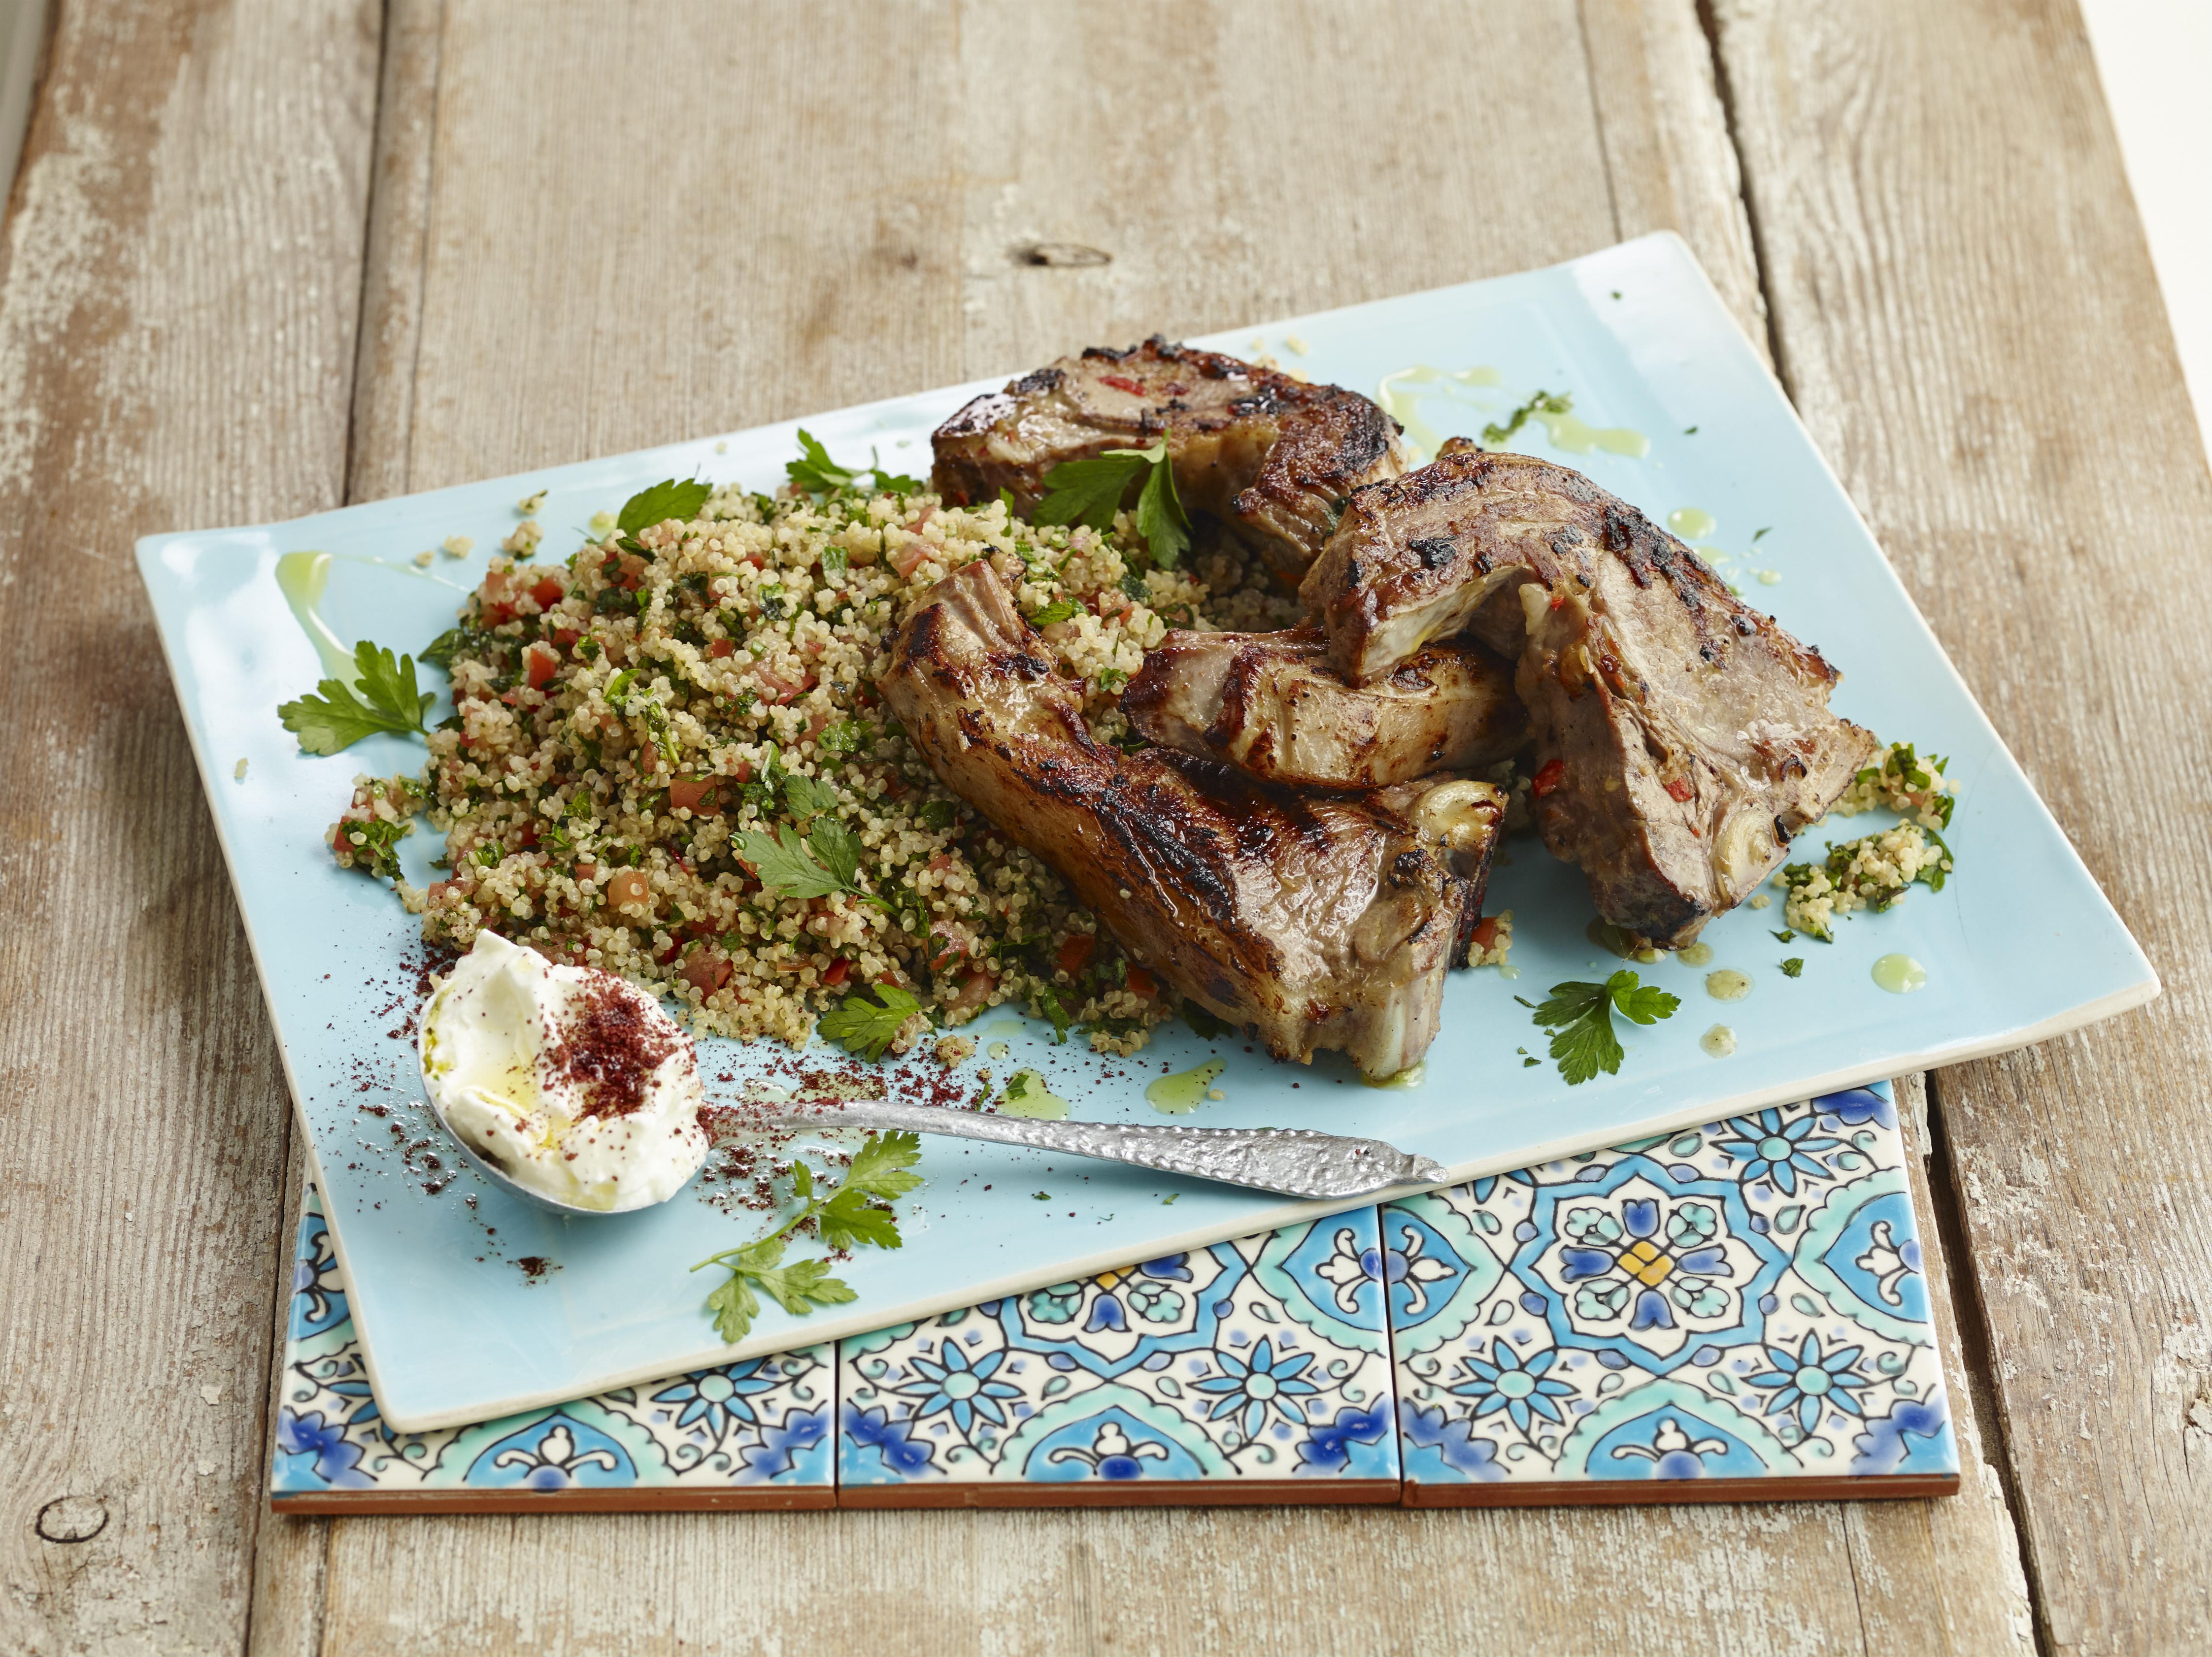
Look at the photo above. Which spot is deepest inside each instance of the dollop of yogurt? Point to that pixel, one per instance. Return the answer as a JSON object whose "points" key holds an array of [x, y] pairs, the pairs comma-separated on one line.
{"points": [[575, 1082]]}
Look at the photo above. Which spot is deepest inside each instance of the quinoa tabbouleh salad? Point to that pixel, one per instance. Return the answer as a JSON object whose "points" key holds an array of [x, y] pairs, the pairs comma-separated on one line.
{"points": [[669, 759]]}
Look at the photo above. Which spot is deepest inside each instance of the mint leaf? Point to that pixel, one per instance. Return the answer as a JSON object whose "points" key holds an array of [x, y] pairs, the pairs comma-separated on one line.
{"points": [[1060, 609], [868, 1028], [333, 717], [664, 500]]}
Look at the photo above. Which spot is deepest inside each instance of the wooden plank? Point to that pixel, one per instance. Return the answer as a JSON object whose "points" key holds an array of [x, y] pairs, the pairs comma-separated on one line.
{"points": [[637, 235], [1969, 322], [176, 342]]}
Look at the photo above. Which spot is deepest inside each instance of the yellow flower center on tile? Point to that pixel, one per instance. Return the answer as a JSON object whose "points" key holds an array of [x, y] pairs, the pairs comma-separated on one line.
{"points": [[1643, 1260]]}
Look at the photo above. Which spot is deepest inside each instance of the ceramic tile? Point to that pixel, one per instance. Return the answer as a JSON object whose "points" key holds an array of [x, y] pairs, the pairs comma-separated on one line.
{"points": [[1740, 1304], [751, 1434], [1253, 1370]]}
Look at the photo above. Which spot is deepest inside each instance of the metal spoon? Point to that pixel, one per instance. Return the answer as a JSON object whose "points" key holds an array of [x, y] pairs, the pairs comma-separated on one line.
{"points": [[1295, 1162]]}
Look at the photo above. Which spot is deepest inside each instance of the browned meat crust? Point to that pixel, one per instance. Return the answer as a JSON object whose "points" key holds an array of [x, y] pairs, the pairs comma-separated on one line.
{"points": [[1270, 704], [1319, 920], [1682, 737], [1269, 458]]}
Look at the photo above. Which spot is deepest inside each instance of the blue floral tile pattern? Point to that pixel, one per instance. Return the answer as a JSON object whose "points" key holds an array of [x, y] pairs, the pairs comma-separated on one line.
{"points": [[1743, 1300], [1263, 1359], [764, 1422]]}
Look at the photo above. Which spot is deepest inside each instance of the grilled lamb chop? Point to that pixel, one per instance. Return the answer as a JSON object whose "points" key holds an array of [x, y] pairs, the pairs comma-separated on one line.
{"points": [[1682, 737], [1270, 457], [1323, 921], [1270, 704]]}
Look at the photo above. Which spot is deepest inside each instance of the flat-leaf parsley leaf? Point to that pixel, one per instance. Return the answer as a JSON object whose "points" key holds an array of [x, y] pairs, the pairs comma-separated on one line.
{"points": [[1580, 1016], [670, 498], [1090, 492], [846, 1218], [816, 473], [332, 717], [825, 864], [868, 1028]]}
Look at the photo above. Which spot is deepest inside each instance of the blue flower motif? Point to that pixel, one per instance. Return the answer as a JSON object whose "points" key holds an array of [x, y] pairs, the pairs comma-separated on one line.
{"points": [[1329, 1449], [1113, 1453], [950, 1383], [1505, 1382], [325, 1441], [901, 1454], [1804, 1380], [1770, 1150], [1452, 1437], [1857, 1108], [1266, 1383], [1155, 1302], [1057, 1304], [1106, 1312], [1175, 1268], [718, 1396]]}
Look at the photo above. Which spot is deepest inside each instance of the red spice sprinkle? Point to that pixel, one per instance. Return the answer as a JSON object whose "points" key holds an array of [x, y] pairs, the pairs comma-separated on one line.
{"points": [[610, 1046]]}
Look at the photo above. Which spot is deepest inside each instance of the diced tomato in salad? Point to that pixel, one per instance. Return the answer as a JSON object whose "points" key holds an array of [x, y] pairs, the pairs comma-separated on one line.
{"points": [[1074, 952]]}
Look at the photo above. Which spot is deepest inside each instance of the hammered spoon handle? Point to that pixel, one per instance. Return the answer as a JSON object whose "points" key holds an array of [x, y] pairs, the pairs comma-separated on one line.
{"points": [[1294, 1161]]}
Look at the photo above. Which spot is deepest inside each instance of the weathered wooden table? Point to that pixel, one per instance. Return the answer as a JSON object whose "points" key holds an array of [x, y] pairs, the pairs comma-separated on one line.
{"points": [[270, 256]]}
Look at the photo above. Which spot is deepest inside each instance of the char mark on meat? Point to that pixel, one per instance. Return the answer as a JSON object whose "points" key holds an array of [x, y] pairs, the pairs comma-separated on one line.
{"points": [[1321, 921], [1692, 735], [1271, 704], [1268, 458]]}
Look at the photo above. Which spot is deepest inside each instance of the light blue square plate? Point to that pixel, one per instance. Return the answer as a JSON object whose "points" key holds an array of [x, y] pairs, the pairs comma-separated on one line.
{"points": [[2020, 945]]}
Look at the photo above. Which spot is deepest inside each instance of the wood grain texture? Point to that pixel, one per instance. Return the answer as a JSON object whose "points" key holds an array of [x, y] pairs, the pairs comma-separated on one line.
{"points": [[1969, 323], [633, 235], [176, 341]]}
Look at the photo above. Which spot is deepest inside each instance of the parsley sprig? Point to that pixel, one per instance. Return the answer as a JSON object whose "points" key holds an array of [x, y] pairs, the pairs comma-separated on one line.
{"points": [[825, 864], [332, 717], [866, 1027], [815, 473], [1580, 1017], [1090, 492], [670, 498], [845, 1217]]}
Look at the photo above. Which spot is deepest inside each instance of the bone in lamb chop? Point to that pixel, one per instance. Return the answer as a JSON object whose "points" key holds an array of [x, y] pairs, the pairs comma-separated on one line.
{"points": [[1682, 737], [1320, 920], [1269, 458], [1270, 704]]}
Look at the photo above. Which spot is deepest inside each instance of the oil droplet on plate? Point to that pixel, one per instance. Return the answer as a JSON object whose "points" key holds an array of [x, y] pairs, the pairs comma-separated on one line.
{"points": [[1900, 974], [1719, 1041], [1577, 436], [1412, 1077], [1183, 1092], [301, 577], [1026, 1095], [1692, 523], [998, 1049], [1694, 955], [1728, 985]]}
